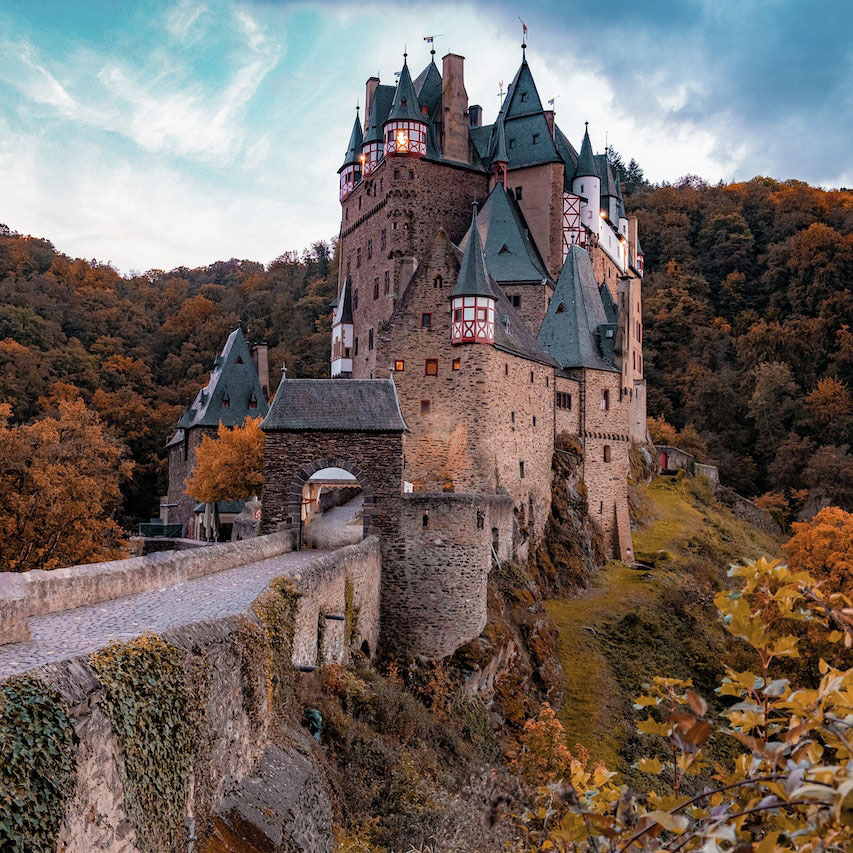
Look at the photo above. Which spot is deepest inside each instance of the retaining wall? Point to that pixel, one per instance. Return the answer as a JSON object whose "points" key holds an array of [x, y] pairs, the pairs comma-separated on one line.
{"points": [[25, 594]]}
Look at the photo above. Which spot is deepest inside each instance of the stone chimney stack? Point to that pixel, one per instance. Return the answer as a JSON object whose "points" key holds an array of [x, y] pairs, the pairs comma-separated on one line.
{"points": [[454, 103], [549, 118], [260, 356], [369, 92], [475, 115]]}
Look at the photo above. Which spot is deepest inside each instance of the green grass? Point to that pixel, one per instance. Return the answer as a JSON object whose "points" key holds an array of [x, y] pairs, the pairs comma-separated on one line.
{"points": [[632, 624]]}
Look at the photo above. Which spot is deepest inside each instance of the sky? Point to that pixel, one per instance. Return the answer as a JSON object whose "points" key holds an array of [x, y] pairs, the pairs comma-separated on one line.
{"points": [[171, 133]]}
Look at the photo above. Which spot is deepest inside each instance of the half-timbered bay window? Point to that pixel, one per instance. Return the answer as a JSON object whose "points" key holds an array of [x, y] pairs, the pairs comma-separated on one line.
{"points": [[371, 154], [473, 319], [405, 137], [350, 176]]}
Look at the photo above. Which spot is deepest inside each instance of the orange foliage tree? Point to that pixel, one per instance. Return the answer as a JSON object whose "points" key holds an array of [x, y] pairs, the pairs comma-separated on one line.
{"points": [[824, 546], [60, 480], [230, 466]]}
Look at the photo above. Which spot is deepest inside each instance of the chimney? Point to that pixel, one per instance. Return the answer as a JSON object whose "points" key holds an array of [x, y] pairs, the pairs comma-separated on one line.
{"points": [[369, 91], [475, 116], [549, 118], [454, 103], [260, 357]]}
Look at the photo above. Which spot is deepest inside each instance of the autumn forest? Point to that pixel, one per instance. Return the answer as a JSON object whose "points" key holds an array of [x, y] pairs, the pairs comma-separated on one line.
{"points": [[748, 308]]}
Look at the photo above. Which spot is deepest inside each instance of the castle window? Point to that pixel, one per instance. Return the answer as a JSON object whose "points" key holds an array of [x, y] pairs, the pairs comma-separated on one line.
{"points": [[547, 381], [425, 520], [515, 300], [512, 143], [359, 202], [512, 416], [521, 469], [424, 407], [561, 309], [396, 174], [369, 249], [239, 359], [411, 174], [504, 250], [426, 321], [564, 401], [355, 346], [535, 138], [355, 298], [376, 288], [457, 363], [518, 193], [346, 215], [481, 519], [457, 315], [387, 282], [349, 261], [438, 281], [253, 402], [534, 420], [431, 367], [531, 377], [394, 225], [358, 257], [523, 97], [606, 452], [226, 402], [605, 400], [506, 370], [399, 365], [383, 239], [370, 339]]}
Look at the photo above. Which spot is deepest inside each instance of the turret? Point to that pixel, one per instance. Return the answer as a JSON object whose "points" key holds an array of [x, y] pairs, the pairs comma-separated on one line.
{"points": [[350, 171], [620, 209], [587, 184], [499, 157], [405, 129], [472, 300], [342, 334]]}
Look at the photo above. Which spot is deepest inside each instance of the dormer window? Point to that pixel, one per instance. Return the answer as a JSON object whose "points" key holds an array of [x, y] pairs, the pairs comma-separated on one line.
{"points": [[253, 402], [523, 97], [239, 359], [561, 309], [535, 138], [226, 401], [504, 250], [512, 143]]}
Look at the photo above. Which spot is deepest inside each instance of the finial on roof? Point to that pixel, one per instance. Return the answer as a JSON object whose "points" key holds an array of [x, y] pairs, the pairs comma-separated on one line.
{"points": [[586, 125], [523, 41], [284, 371], [404, 54]]}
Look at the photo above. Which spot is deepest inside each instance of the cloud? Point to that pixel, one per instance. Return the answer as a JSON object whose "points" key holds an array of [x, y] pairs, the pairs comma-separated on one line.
{"points": [[20, 68], [182, 16]]}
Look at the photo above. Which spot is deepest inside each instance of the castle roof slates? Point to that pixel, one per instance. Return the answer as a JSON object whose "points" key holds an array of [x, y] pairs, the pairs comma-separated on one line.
{"points": [[473, 278], [570, 332], [356, 140], [522, 97], [568, 155], [380, 106], [428, 89], [343, 306], [405, 106], [234, 376], [611, 310], [586, 166], [511, 254], [335, 405], [605, 173]]}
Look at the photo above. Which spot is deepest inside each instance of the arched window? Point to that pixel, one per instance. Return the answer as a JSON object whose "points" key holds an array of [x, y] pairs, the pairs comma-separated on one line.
{"points": [[438, 282], [605, 400]]}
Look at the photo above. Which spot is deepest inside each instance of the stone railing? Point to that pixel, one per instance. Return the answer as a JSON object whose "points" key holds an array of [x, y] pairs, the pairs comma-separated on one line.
{"points": [[37, 592]]}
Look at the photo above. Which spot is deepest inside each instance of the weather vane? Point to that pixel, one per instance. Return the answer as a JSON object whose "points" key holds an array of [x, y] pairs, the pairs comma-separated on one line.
{"points": [[523, 39], [430, 41], [501, 93]]}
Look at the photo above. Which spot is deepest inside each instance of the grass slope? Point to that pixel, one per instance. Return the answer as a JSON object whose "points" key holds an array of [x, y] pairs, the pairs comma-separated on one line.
{"points": [[632, 624]]}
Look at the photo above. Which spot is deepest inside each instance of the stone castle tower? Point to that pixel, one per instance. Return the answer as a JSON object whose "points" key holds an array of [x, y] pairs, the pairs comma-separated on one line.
{"points": [[494, 270]]}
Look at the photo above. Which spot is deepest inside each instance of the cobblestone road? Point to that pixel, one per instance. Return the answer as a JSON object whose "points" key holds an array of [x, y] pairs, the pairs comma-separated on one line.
{"points": [[70, 633]]}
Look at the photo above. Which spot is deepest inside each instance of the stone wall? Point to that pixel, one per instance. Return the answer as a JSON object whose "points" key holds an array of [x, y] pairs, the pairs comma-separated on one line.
{"points": [[177, 506], [36, 592], [435, 580]]}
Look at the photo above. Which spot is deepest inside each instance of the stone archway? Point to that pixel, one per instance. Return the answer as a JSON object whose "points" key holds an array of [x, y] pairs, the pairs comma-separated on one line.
{"points": [[294, 505]]}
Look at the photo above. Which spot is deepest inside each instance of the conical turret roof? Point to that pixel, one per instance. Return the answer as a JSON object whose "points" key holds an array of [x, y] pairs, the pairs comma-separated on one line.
{"points": [[405, 106], [500, 155], [355, 142], [586, 159], [473, 278]]}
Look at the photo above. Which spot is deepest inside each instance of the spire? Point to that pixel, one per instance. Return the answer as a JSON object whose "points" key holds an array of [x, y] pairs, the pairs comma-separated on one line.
{"points": [[355, 141], [473, 279], [500, 155], [405, 106], [586, 159]]}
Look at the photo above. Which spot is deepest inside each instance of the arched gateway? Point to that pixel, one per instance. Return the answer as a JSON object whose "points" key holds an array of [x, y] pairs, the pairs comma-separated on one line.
{"points": [[334, 423]]}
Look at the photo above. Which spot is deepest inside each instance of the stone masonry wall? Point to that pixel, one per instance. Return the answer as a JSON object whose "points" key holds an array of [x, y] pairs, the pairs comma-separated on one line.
{"points": [[179, 469], [405, 199], [434, 587], [567, 420]]}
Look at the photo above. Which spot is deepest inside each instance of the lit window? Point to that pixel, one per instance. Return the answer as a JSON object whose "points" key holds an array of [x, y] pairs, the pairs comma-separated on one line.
{"points": [[426, 321], [457, 363], [399, 365], [431, 367], [424, 407]]}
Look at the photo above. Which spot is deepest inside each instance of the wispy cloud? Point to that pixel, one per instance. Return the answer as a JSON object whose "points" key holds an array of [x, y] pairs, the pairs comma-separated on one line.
{"points": [[182, 16], [20, 68]]}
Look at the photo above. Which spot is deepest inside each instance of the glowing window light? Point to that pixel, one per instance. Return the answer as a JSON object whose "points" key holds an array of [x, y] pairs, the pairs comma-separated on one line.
{"points": [[402, 139]]}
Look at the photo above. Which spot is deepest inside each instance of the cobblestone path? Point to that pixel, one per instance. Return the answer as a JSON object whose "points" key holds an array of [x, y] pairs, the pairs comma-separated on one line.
{"points": [[70, 633]]}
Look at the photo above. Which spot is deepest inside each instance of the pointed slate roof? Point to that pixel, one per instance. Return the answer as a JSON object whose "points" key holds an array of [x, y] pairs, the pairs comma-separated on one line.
{"points": [[473, 279], [356, 140], [586, 166], [233, 378], [405, 106], [611, 311], [522, 97], [343, 308], [576, 322], [428, 89], [378, 111], [511, 254], [499, 152], [335, 405], [568, 155], [605, 172]]}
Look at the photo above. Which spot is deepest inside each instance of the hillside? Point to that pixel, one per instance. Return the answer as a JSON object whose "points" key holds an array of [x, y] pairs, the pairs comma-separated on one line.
{"points": [[630, 624]]}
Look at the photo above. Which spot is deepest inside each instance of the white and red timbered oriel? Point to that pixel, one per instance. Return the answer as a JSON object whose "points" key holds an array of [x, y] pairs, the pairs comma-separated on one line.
{"points": [[350, 176], [405, 137], [371, 154], [573, 229], [473, 320]]}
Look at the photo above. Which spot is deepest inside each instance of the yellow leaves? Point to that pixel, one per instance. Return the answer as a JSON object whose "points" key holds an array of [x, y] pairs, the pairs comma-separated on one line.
{"points": [[786, 647], [670, 822], [649, 765], [650, 726]]}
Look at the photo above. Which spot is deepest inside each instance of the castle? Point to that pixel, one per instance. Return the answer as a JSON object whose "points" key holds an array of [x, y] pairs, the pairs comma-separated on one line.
{"points": [[503, 328], [489, 301]]}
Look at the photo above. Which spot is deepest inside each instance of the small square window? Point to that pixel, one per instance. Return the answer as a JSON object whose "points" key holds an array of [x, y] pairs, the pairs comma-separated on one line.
{"points": [[515, 300], [399, 365], [426, 321], [396, 174], [535, 138], [424, 407], [457, 363], [431, 367]]}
